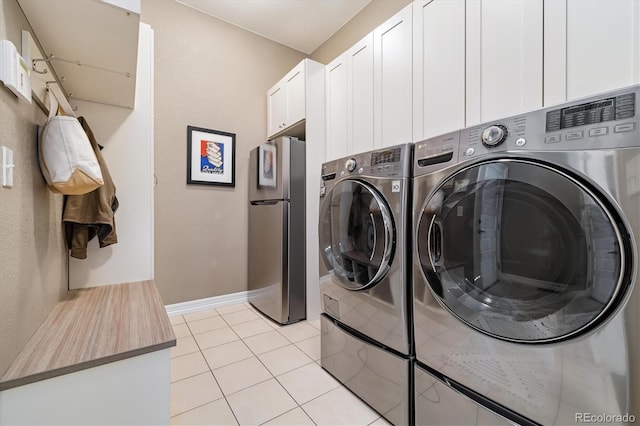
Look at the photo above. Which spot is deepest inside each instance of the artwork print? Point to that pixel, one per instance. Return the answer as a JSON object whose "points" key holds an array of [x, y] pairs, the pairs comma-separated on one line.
{"points": [[267, 165], [210, 157]]}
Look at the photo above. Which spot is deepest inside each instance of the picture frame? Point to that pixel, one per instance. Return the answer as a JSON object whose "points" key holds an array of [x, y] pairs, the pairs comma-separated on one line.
{"points": [[211, 157], [267, 166]]}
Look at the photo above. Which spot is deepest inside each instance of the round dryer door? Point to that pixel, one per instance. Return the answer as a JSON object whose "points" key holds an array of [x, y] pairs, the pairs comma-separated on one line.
{"points": [[356, 234], [523, 252]]}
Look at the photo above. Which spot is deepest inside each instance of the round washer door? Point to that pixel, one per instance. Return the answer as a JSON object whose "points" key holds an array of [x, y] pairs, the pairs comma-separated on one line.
{"points": [[357, 235], [522, 251]]}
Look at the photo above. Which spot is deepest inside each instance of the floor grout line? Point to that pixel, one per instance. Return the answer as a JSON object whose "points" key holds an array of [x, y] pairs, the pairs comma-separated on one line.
{"points": [[257, 356]]}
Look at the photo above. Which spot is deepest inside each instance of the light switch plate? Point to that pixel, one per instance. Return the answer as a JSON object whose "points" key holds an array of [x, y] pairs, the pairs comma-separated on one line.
{"points": [[7, 166]]}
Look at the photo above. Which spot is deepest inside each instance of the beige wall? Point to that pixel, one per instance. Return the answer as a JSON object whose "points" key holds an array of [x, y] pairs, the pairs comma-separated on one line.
{"points": [[374, 14], [207, 74], [33, 262]]}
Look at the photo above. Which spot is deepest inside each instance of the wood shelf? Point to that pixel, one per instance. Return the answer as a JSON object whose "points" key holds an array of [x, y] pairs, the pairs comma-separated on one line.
{"points": [[94, 326]]}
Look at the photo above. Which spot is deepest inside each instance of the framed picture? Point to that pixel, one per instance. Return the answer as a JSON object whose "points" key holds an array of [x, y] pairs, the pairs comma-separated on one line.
{"points": [[267, 167], [211, 157]]}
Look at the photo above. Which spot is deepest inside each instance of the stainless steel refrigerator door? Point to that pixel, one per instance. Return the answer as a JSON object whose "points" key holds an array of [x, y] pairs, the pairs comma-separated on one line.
{"points": [[268, 260], [269, 166]]}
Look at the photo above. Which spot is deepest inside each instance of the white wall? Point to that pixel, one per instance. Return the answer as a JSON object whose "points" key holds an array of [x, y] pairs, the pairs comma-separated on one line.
{"points": [[127, 137]]}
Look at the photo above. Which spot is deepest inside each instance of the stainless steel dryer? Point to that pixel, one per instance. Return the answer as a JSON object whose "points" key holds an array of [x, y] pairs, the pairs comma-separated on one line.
{"points": [[365, 293], [526, 298]]}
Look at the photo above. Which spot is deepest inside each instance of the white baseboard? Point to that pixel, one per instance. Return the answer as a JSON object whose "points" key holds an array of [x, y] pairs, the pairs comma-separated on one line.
{"points": [[192, 306]]}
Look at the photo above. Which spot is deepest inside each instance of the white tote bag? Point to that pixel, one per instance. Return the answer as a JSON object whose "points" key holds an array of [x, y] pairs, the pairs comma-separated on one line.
{"points": [[67, 159]]}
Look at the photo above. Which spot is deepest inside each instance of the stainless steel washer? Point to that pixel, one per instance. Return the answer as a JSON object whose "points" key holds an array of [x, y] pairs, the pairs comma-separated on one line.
{"points": [[364, 235], [525, 268]]}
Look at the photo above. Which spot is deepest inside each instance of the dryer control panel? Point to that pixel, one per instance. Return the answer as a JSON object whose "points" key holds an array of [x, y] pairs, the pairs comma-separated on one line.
{"points": [[394, 161], [607, 121]]}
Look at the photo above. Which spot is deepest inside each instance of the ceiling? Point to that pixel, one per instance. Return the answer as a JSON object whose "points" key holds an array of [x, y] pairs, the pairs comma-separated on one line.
{"points": [[300, 24]]}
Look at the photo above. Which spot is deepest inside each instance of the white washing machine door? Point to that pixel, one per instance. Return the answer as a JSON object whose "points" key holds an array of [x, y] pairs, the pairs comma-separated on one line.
{"points": [[357, 234], [522, 251]]}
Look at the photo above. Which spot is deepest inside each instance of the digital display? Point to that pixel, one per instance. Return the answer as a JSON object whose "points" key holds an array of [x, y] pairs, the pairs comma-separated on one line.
{"points": [[382, 157], [599, 111]]}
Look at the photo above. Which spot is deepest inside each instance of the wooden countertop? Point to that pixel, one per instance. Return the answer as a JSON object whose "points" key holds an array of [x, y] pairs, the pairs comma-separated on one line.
{"points": [[94, 326]]}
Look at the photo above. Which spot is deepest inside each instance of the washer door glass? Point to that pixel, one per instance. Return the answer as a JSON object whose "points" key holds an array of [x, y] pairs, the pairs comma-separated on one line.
{"points": [[520, 251], [356, 234]]}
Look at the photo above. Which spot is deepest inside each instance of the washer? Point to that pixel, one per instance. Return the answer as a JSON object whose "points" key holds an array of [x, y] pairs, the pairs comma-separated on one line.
{"points": [[526, 299], [366, 298]]}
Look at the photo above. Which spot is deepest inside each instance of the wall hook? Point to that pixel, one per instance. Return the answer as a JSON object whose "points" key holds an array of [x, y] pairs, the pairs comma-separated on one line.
{"points": [[53, 82], [46, 59]]}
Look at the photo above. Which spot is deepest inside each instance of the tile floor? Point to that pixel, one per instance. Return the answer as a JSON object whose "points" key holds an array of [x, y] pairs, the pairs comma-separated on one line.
{"points": [[232, 366]]}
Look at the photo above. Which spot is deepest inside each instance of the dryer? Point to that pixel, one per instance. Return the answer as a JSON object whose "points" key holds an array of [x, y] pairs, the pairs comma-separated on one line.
{"points": [[526, 299], [364, 270]]}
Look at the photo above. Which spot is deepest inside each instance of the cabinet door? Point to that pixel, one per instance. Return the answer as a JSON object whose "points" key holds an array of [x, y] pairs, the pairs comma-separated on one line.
{"points": [[590, 47], [276, 108], [504, 58], [336, 108], [295, 89], [438, 67], [393, 80], [360, 95]]}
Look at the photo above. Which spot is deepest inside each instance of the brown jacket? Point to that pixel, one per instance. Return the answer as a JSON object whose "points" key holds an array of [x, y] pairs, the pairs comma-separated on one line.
{"points": [[91, 214]]}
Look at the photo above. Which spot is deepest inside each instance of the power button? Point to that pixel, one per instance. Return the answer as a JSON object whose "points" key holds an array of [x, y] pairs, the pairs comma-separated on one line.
{"points": [[470, 151]]}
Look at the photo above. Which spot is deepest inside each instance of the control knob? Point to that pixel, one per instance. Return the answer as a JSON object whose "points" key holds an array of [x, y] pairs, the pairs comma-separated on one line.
{"points": [[351, 164], [494, 135]]}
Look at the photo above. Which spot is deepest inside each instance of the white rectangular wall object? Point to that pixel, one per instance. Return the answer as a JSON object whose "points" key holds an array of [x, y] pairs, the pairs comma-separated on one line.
{"points": [[14, 71], [130, 5], [315, 153], [127, 137]]}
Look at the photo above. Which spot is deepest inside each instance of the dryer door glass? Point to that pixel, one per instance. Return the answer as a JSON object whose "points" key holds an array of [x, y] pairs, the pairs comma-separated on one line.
{"points": [[356, 234], [521, 251]]}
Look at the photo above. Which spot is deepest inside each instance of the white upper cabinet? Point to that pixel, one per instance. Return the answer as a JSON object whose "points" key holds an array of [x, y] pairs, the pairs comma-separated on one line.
{"points": [[360, 96], [349, 101], [393, 105], [286, 101], [590, 47], [504, 58], [438, 67], [336, 108]]}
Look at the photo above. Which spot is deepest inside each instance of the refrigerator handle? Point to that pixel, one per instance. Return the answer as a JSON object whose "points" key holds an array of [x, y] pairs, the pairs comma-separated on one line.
{"points": [[265, 203]]}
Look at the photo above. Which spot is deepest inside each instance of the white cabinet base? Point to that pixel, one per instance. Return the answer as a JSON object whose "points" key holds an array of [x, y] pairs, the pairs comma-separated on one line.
{"points": [[134, 391]]}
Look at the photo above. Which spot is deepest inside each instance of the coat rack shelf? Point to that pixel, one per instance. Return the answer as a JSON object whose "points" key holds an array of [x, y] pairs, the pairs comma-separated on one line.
{"points": [[92, 45]]}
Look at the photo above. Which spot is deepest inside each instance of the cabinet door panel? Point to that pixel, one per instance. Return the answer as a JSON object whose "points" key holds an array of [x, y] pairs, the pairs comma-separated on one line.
{"points": [[277, 106], [439, 67], [504, 58], [336, 104], [295, 95], [602, 46], [555, 52], [360, 95], [393, 80], [590, 47]]}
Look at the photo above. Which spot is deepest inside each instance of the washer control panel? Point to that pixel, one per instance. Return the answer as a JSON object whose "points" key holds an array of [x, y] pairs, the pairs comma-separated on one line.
{"points": [[610, 120], [436, 153]]}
